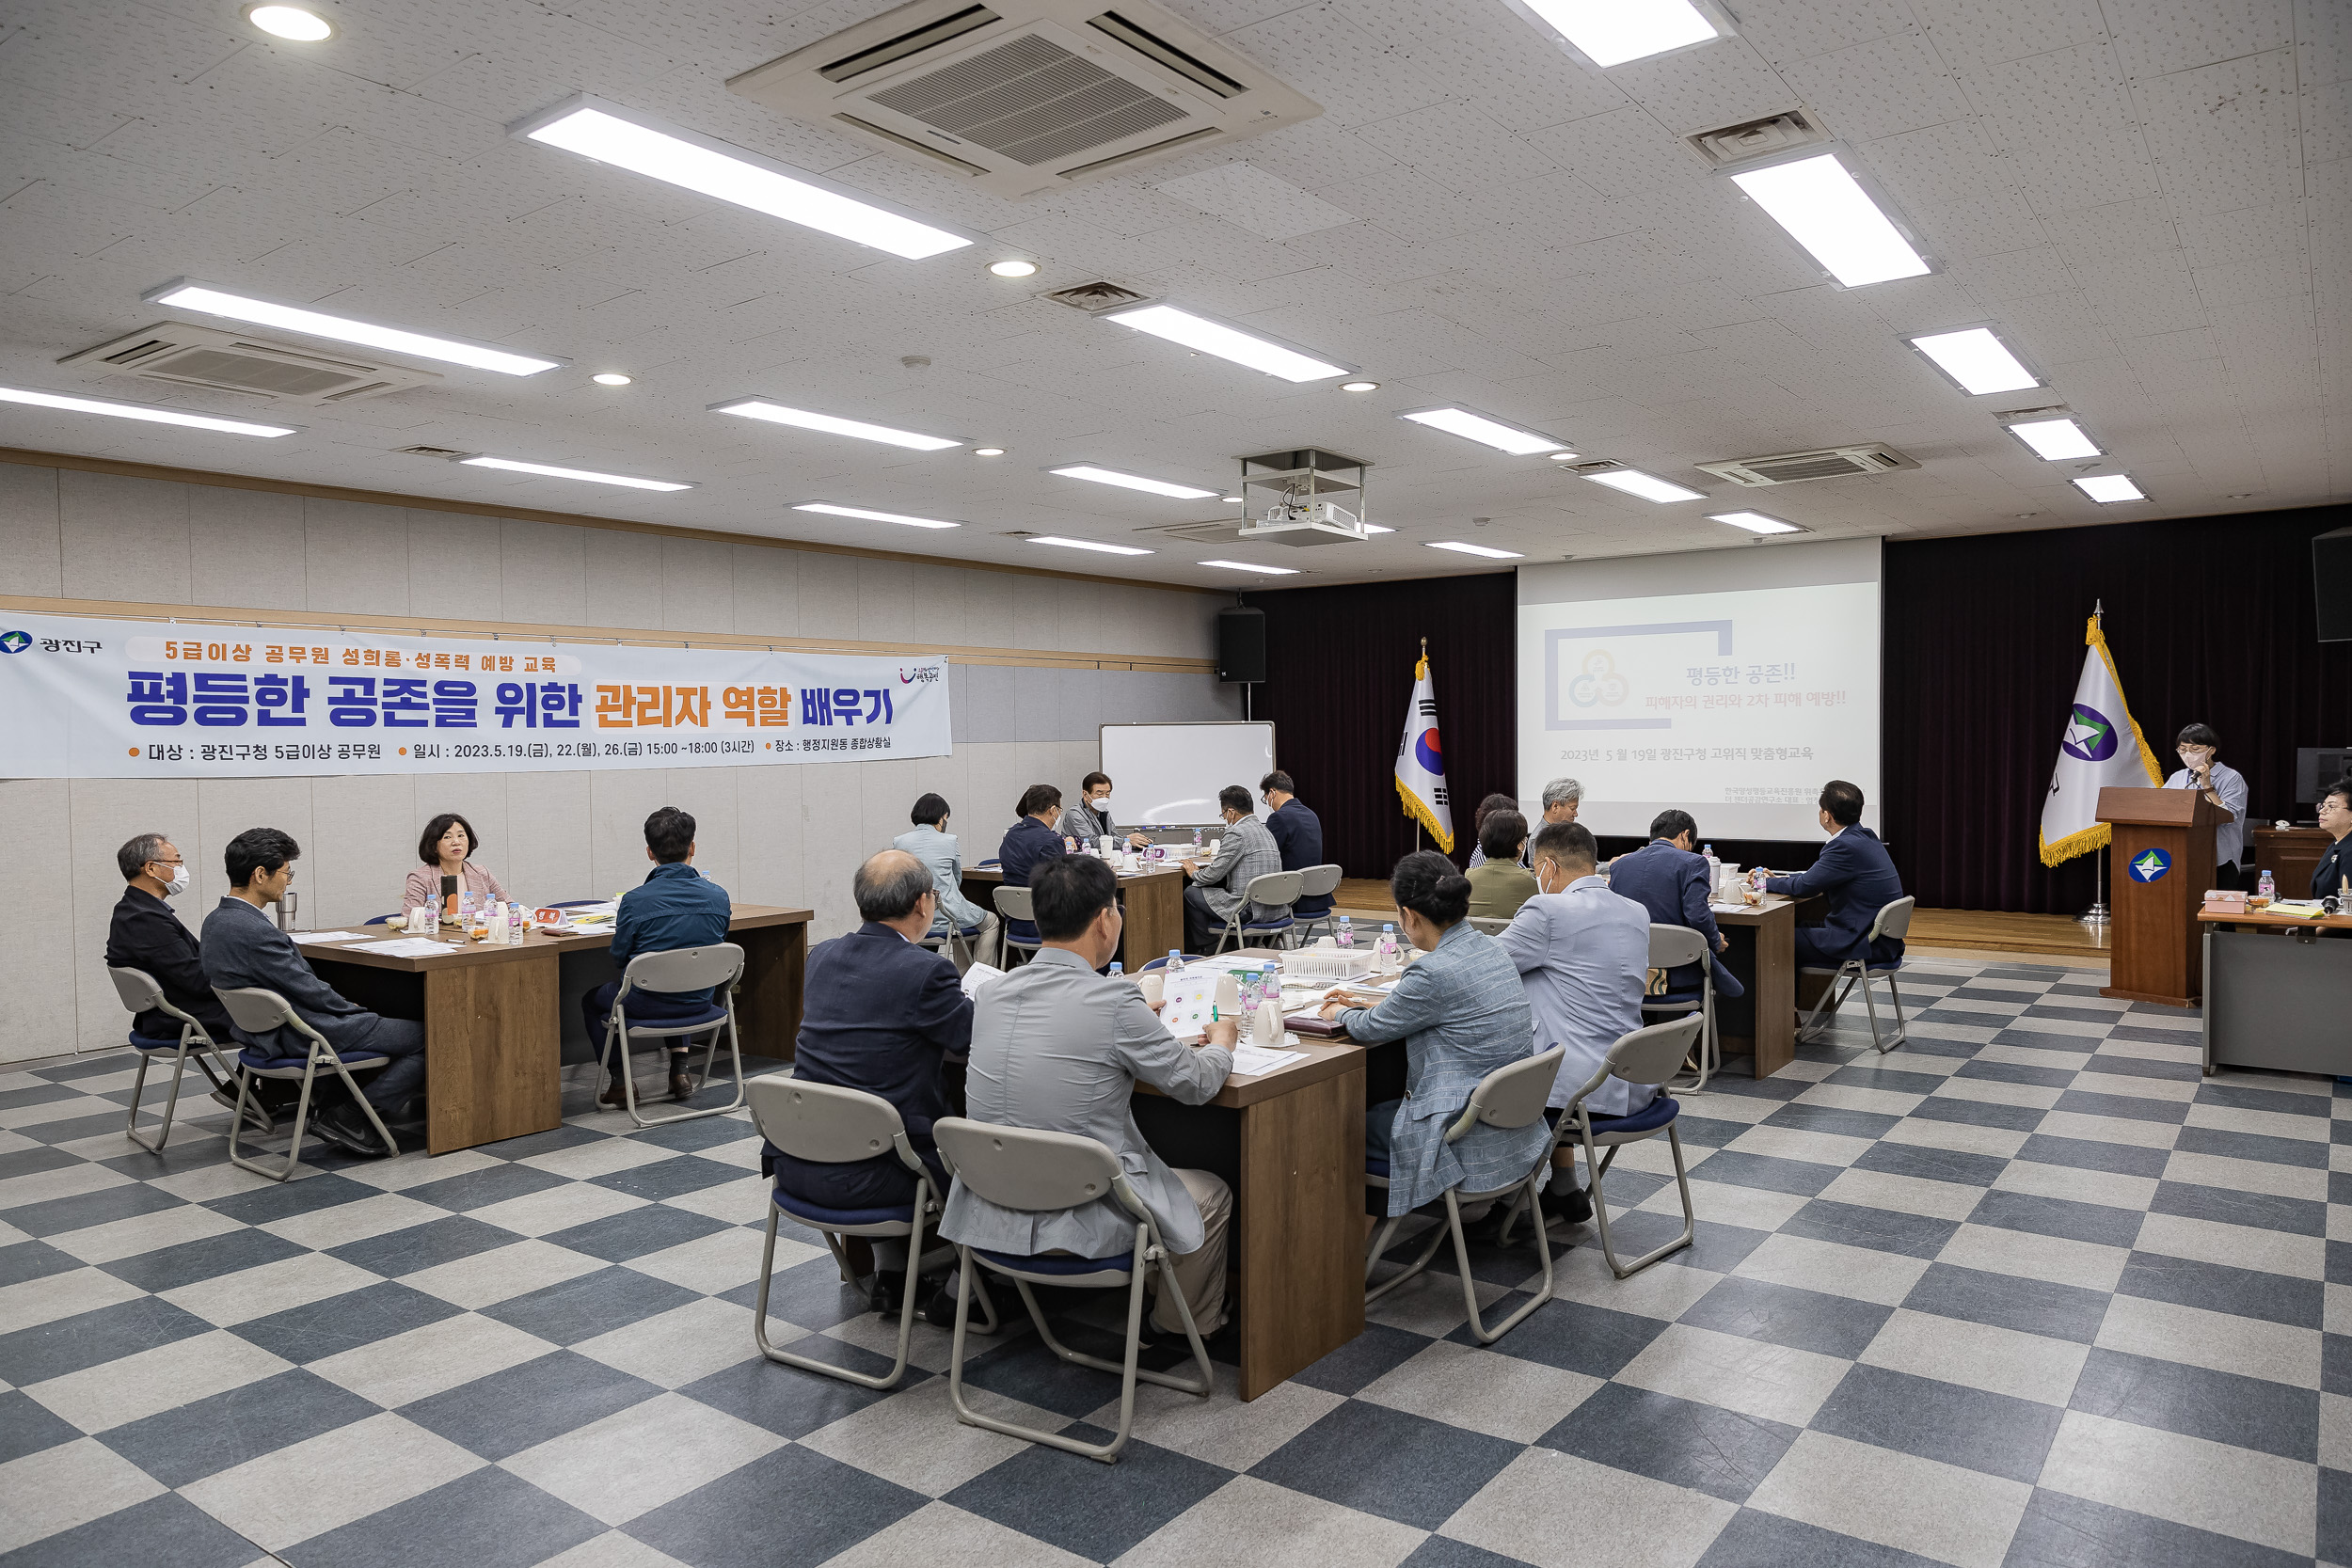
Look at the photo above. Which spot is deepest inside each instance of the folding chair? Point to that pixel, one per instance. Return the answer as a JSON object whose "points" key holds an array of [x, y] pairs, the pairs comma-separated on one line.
{"points": [[1671, 948], [1318, 881], [1893, 921], [140, 993], [825, 1124], [1276, 890], [955, 944], [1494, 925], [1650, 1056], [1510, 1096], [1038, 1173], [261, 1013], [1012, 903], [717, 967]]}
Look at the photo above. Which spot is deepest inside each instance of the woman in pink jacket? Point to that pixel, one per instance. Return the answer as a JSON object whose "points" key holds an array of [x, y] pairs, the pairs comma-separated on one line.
{"points": [[446, 849]]}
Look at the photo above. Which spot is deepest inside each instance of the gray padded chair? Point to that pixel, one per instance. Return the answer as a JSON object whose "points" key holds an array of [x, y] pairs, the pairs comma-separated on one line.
{"points": [[140, 993], [718, 966], [260, 1012], [1650, 1056], [1012, 903], [1276, 890], [826, 1124], [1671, 948], [1318, 881], [1493, 925], [1510, 1096], [1893, 921], [1040, 1172]]}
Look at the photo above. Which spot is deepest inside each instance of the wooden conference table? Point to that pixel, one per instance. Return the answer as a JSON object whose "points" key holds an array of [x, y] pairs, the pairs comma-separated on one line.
{"points": [[1153, 902], [2275, 991], [495, 1017], [1763, 954]]}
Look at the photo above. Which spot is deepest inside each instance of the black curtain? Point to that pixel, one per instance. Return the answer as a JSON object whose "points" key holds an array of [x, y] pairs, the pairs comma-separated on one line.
{"points": [[1339, 671], [2210, 619]]}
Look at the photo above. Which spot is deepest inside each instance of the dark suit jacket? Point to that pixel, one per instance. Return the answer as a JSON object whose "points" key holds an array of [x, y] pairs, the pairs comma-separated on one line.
{"points": [[675, 907], [1298, 833], [1859, 879], [878, 1014], [1026, 842], [1671, 883], [145, 934], [244, 947], [2333, 867]]}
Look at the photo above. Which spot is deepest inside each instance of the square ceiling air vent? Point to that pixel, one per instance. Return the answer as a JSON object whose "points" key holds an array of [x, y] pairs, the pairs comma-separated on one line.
{"points": [[1023, 96], [1792, 468], [1091, 298], [183, 356], [1752, 139]]}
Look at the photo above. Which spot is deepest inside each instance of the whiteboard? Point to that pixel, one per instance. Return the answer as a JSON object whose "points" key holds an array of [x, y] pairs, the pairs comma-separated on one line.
{"points": [[1171, 773]]}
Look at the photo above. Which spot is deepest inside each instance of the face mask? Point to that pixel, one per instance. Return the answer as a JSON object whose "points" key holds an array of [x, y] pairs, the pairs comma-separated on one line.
{"points": [[179, 883], [1103, 804]]}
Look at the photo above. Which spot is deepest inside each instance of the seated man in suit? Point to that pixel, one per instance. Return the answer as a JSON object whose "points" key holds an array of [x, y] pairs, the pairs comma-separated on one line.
{"points": [[880, 1014], [243, 947], [1857, 875], [1582, 953], [145, 935], [1499, 883], [675, 907], [1298, 833], [1027, 844], [1089, 820], [1218, 888], [2334, 871], [1668, 877], [1059, 1048]]}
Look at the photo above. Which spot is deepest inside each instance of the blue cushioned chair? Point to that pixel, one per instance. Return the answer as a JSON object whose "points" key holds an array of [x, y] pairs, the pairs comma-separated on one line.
{"points": [[1277, 891], [140, 993], [1040, 1172], [1894, 921], [1650, 1056], [260, 1012], [1672, 948], [1318, 881], [825, 1124], [1012, 903], [1511, 1096], [714, 968]]}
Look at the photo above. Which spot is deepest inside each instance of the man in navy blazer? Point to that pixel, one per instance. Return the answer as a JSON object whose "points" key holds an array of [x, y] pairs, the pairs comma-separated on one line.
{"points": [[1857, 875], [1668, 877], [1298, 833]]}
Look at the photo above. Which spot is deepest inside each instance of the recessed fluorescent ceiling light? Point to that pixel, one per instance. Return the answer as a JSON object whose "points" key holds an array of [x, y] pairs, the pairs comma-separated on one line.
{"points": [[140, 411], [1246, 566], [1487, 551], [1486, 431], [1134, 482], [1978, 359], [509, 465], [642, 145], [189, 295], [831, 511], [1013, 269], [1611, 32], [1828, 212], [1376, 527], [1086, 545], [2053, 441], [1754, 522], [2110, 487], [1226, 342], [1633, 482], [291, 23], [776, 413]]}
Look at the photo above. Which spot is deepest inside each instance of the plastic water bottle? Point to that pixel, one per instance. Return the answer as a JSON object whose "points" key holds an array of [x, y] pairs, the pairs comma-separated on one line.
{"points": [[517, 922], [1175, 961], [2266, 888], [1388, 942], [1252, 990], [1273, 987], [1347, 937], [1118, 969], [1196, 838], [1714, 871]]}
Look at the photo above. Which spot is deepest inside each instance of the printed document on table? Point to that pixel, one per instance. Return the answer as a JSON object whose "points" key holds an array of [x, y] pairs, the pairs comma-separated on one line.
{"points": [[1255, 1061], [323, 936], [980, 974], [406, 947]]}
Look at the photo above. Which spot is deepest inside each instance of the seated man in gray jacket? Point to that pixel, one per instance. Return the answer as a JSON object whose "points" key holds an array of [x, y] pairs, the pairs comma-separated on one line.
{"points": [[1246, 852], [244, 947], [1057, 1048]]}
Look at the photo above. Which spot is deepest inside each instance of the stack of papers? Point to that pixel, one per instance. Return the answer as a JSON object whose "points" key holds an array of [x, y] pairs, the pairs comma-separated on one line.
{"points": [[406, 947], [980, 974], [1255, 1061], [2297, 909], [324, 936]]}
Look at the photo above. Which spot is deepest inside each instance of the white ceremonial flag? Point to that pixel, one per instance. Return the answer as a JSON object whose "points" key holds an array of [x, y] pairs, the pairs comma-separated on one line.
{"points": [[2101, 745], [1420, 761]]}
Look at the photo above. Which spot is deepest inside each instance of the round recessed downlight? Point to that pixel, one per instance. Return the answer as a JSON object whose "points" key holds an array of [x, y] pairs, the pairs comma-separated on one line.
{"points": [[1013, 269], [988, 451], [291, 23], [1359, 386], [610, 378]]}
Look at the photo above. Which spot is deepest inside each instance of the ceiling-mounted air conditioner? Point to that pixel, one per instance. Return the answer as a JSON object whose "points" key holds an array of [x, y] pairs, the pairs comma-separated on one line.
{"points": [[1023, 96], [1791, 467], [183, 356]]}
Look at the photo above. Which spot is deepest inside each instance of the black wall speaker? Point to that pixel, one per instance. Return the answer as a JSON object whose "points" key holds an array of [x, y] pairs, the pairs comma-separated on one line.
{"points": [[1241, 645], [2331, 581]]}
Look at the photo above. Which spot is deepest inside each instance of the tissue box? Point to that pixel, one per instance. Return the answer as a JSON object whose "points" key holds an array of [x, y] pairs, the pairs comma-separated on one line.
{"points": [[2222, 901]]}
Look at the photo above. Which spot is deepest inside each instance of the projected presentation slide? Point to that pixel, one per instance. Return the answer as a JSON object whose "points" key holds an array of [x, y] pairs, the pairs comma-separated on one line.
{"points": [[1736, 705]]}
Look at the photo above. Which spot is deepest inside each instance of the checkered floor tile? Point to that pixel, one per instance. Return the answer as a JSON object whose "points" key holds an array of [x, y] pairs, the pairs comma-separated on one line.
{"points": [[2028, 1291]]}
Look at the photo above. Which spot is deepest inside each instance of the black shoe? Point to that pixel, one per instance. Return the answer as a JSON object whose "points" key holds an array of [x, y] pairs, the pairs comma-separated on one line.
{"points": [[885, 1294], [348, 1131], [1574, 1207]]}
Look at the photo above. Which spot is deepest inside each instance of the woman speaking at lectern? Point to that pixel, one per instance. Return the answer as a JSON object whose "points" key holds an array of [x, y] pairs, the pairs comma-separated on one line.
{"points": [[2224, 786]]}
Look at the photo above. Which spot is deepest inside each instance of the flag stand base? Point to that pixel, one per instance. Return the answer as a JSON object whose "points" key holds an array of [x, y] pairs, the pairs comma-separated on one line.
{"points": [[2097, 916]]}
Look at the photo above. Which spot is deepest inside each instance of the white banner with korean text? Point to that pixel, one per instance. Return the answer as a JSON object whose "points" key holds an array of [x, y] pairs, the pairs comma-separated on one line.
{"points": [[94, 699]]}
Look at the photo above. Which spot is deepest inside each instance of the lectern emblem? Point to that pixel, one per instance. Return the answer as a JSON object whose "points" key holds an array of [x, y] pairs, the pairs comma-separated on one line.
{"points": [[2150, 865]]}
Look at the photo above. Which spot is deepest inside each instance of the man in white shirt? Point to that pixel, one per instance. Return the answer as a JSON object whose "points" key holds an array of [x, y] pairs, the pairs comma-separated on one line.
{"points": [[2225, 786]]}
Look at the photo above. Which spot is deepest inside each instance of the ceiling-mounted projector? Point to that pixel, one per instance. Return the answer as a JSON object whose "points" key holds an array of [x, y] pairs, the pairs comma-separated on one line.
{"points": [[1316, 523], [1289, 489]]}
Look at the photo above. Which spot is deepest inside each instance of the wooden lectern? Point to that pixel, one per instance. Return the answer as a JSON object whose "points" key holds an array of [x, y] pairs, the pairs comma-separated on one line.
{"points": [[2161, 865]]}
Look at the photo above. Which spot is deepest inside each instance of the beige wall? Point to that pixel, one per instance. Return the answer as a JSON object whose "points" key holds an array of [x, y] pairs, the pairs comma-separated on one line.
{"points": [[770, 835]]}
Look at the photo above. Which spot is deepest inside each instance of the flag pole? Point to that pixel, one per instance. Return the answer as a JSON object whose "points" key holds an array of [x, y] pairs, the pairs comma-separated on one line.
{"points": [[2098, 916]]}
